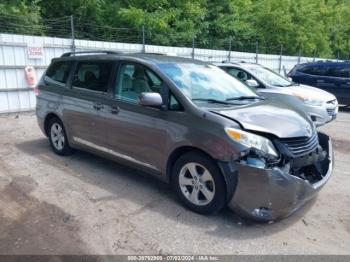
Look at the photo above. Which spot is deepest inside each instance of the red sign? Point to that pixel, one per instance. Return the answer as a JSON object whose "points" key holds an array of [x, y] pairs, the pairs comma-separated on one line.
{"points": [[35, 51]]}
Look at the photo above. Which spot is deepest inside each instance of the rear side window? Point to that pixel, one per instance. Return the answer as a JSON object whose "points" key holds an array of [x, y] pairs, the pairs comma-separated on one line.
{"points": [[59, 71], [93, 76], [339, 71]]}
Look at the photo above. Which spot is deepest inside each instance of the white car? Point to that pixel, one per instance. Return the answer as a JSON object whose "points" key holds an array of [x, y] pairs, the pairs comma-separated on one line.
{"points": [[319, 104]]}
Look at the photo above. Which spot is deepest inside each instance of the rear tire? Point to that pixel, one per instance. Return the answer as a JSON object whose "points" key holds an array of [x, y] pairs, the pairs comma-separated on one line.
{"points": [[198, 183], [58, 138]]}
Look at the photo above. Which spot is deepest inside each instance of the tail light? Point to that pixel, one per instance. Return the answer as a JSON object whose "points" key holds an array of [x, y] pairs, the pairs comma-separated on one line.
{"points": [[36, 91]]}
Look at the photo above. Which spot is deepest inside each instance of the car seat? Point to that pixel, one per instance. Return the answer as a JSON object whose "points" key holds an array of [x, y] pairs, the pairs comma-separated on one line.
{"points": [[241, 75], [139, 82]]}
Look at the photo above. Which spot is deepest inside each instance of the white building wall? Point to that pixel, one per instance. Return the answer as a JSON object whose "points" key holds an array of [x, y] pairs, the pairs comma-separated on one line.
{"points": [[15, 95]]}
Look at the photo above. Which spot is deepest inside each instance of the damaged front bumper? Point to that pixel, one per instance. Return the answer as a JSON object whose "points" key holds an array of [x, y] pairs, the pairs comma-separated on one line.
{"points": [[274, 193]]}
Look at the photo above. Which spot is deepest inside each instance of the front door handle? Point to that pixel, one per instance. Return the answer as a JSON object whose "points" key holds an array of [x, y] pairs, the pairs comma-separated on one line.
{"points": [[98, 106], [114, 109]]}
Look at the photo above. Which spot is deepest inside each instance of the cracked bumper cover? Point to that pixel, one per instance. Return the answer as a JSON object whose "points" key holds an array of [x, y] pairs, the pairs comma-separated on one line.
{"points": [[271, 194]]}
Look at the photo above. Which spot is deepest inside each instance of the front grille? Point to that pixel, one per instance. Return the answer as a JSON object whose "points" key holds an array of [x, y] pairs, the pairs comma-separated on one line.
{"points": [[331, 111], [298, 146]]}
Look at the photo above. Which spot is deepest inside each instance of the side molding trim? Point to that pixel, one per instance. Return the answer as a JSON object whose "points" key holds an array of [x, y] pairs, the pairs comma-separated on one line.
{"points": [[112, 152]]}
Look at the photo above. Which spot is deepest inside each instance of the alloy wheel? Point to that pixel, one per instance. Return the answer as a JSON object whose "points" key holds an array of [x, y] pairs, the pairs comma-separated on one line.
{"points": [[57, 136], [197, 184]]}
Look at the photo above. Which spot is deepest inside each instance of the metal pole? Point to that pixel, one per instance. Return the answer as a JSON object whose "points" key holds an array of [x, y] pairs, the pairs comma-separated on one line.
{"points": [[338, 56], [72, 31], [280, 65], [299, 56], [314, 55], [257, 51], [143, 40], [229, 49], [192, 47]]}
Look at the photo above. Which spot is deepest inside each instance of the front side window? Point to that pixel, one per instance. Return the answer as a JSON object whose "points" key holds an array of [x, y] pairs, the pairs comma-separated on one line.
{"points": [[201, 81], [314, 70], [59, 71], [93, 76], [269, 77], [134, 79], [239, 74]]}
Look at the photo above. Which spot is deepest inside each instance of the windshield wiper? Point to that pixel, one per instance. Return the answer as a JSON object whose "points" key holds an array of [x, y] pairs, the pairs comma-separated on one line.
{"points": [[211, 100], [245, 98]]}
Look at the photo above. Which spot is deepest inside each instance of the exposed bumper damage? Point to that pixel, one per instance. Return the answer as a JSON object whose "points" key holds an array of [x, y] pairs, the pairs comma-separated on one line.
{"points": [[272, 193]]}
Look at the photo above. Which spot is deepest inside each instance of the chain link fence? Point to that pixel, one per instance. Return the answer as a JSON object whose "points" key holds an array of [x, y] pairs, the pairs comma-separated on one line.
{"points": [[64, 34], [69, 27]]}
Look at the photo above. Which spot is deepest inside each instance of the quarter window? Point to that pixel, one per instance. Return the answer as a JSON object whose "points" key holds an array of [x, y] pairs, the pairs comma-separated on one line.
{"points": [[135, 79], [93, 76], [59, 71], [174, 104]]}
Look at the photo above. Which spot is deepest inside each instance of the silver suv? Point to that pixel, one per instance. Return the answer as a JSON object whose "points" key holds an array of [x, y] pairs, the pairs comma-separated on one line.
{"points": [[188, 123]]}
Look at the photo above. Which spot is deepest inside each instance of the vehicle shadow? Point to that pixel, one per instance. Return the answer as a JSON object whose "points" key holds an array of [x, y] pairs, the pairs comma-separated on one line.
{"points": [[150, 193]]}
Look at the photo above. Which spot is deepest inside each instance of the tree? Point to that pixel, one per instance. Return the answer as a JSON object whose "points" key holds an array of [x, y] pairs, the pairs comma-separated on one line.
{"points": [[320, 26], [20, 16]]}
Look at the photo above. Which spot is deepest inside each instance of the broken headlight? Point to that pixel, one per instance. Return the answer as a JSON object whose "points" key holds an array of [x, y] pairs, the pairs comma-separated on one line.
{"points": [[259, 143]]}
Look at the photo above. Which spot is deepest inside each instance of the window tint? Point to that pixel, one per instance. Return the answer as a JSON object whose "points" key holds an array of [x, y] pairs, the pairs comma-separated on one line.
{"points": [[59, 71], [135, 79], [93, 76], [338, 71], [239, 74], [314, 70]]}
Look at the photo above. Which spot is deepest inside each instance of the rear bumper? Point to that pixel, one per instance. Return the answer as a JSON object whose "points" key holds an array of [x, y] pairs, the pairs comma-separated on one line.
{"points": [[271, 194]]}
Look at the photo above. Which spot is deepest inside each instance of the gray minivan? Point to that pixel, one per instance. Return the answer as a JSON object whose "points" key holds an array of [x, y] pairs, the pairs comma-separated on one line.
{"points": [[189, 123]]}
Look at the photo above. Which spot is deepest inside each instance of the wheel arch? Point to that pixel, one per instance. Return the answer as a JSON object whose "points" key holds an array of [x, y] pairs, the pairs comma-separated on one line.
{"points": [[228, 170], [175, 154], [48, 117]]}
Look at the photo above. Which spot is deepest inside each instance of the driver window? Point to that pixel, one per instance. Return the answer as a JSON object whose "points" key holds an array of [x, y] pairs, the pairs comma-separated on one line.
{"points": [[135, 79], [241, 75]]}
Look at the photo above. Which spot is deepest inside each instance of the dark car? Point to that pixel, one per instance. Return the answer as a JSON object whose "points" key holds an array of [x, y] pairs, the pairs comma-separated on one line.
{"points": [[333, 77], [189, 123]]}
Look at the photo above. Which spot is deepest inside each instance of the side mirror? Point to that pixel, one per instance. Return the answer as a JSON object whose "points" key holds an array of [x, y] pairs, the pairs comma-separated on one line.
{"points": [[150, 99], [252, 83]]}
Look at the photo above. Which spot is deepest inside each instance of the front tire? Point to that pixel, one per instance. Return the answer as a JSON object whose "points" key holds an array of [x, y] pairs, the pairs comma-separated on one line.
{"points": [[58, 138], [198, 183]]}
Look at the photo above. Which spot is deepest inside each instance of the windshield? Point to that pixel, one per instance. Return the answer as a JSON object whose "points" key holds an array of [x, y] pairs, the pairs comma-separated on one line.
{"points": [[205, 82], [269, 76]]}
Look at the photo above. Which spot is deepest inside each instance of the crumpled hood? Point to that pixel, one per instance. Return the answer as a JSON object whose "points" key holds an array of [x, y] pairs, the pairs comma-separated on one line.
{"points": [[269, 118], [308, 91]]}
